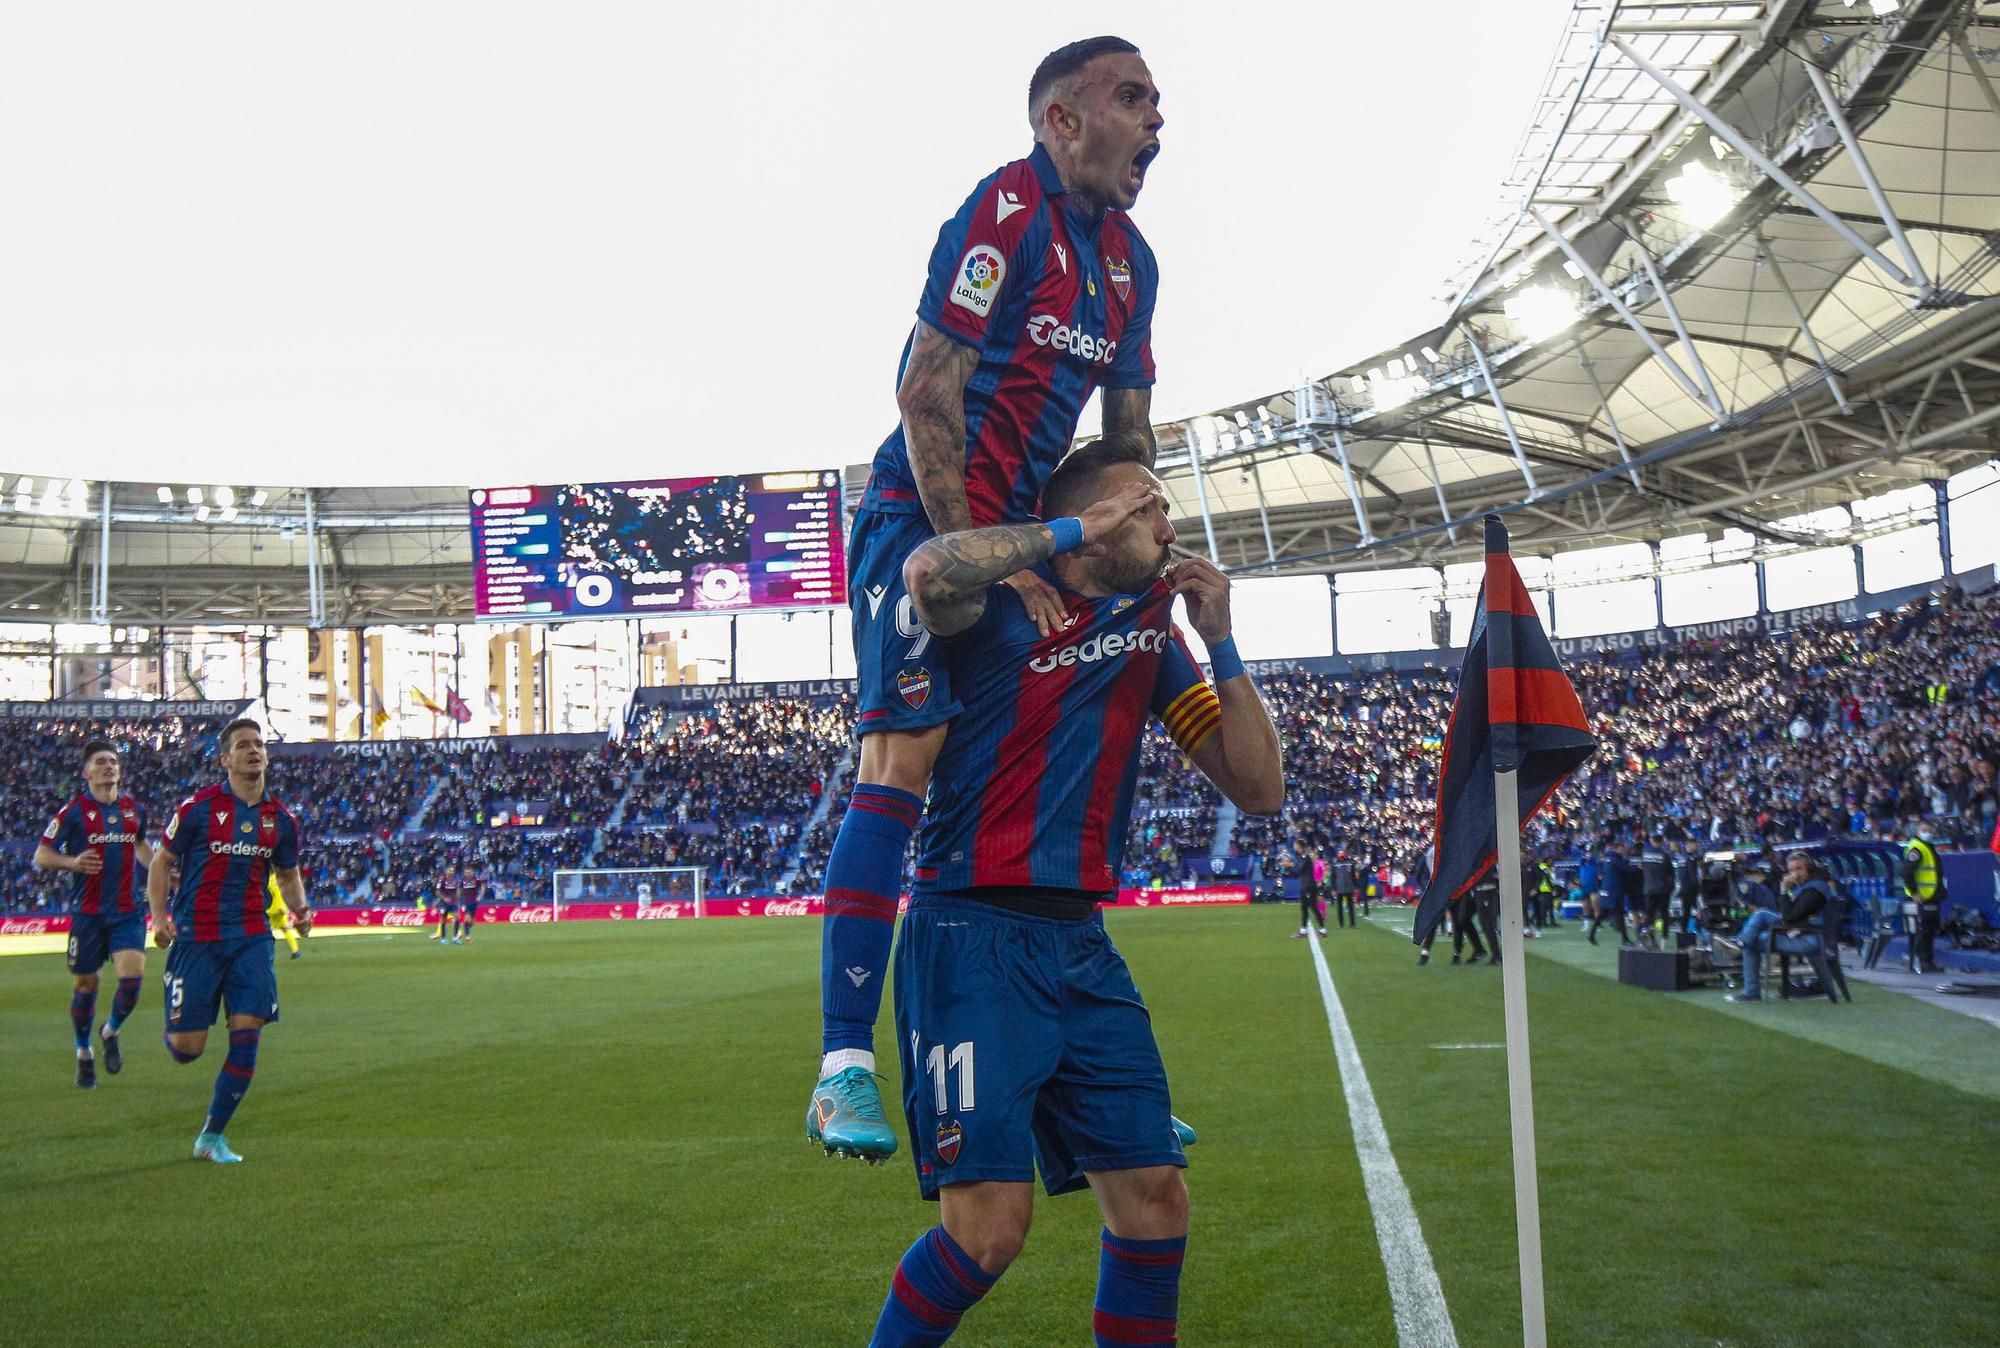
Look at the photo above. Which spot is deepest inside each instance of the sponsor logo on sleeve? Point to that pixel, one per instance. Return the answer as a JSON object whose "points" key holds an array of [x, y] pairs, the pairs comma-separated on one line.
{"points": [[977, 283]]}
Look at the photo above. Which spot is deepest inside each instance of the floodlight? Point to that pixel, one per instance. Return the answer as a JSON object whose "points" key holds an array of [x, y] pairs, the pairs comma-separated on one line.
{"points": [[1703, 195], [1542, 311], [1885, 6], [25, 487], [201, 513], [1242, 418], [1395, 392], [1358, 384], [225, 496], [228, 513], [166, 496], [258, 497], [1431, 355], [194, 496]]}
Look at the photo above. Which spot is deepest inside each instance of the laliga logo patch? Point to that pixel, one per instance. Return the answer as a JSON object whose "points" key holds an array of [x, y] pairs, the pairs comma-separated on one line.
{"points": [[915, 686], [978, 281], [1119, 273], [950, 1137], [1123, 604]]}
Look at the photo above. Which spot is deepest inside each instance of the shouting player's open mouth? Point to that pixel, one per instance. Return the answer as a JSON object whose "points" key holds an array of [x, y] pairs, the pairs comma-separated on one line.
{"points": [[1135, 172]]}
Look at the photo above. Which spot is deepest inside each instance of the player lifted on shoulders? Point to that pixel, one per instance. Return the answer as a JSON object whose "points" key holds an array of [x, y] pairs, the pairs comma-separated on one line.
{"points": [[1040, 291], [1024, 1039], [100, 837], [229, 839]]}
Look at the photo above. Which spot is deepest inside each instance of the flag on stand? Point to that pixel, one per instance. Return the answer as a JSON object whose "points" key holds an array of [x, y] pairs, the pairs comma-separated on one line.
{"points": [[426, 703], [1516, 712], [382, 717], [455, 708]]}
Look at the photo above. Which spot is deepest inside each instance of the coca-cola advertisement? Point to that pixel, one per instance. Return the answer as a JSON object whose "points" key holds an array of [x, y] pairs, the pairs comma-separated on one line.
{"points": [[762, 905], [33, 926]]}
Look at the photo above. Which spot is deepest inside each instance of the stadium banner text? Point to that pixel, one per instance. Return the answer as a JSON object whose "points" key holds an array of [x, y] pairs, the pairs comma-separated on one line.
{"points": [[107, 709], [473, 745]]}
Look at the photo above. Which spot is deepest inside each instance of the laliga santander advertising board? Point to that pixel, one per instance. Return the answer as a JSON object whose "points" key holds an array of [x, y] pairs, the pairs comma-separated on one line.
{"points": [[530, 914], [673, 545]]}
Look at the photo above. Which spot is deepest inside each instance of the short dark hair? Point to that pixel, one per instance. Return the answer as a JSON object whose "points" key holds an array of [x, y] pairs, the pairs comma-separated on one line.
{"points": [[1068, 489], [240, 723], [1063, 62], [96, 747]]}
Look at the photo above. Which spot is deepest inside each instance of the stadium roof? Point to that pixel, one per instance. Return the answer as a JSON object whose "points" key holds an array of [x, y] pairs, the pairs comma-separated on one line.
{"points": [[1746, 271]]}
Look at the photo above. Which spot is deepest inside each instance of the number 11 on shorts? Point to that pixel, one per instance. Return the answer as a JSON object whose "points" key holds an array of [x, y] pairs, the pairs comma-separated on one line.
{"points": [[940, 1065]]}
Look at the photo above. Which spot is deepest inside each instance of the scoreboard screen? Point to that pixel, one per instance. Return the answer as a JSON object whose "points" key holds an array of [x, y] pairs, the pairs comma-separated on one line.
{"points": [[676, 545]]}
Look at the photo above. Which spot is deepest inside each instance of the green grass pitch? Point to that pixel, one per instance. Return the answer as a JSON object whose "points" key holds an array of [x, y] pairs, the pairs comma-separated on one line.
{"points": [[592, 1134]]}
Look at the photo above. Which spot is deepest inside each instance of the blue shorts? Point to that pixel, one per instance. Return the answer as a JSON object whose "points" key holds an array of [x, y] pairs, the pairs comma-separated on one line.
{"points": [[95, 938], [201, 975], [905, 684], [1024, 1043]]}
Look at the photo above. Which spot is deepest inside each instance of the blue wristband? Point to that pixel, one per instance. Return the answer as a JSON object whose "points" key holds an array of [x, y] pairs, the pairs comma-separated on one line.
{"points": [[1069, 533], [1223, 658]]}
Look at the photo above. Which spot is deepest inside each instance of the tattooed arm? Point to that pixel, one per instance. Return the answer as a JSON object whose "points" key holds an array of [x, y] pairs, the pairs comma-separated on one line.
{"points": [[932, 400], [948, 576], [1130, 411]]}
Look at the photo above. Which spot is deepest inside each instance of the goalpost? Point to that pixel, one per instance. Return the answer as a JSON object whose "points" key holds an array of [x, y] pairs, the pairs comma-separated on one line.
{"points": [[630, 884]]}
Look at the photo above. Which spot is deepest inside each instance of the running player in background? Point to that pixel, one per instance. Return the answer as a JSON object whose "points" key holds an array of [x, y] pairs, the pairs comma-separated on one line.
{"points": [[1024, 1040], [1040, 290], [470, 883], [446, 892], [280, 917], [100, 838], [230, 840]]}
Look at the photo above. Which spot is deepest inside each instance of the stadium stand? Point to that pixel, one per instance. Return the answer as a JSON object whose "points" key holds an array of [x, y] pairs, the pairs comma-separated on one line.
{"points": [[1826, 732]]}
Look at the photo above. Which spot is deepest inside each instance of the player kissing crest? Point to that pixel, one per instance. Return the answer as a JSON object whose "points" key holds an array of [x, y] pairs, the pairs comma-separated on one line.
{"points": [[1119, 272], [915, 686], [950, 1137]]}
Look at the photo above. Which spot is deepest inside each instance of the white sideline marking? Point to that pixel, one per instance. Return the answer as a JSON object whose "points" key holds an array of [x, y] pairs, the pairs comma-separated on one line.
{"points": [[1468, 1046], [1422, 1320]]}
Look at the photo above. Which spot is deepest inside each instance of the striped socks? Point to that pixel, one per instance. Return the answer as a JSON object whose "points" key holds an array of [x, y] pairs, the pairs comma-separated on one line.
{"points": [[1138, 1290], [234, 1078], [82, 1010], [863, 882], [935, 1284], [122, 1002]]}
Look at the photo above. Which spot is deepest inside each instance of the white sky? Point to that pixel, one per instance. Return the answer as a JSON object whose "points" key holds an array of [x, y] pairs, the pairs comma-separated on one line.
{"points": [[460, 243]]}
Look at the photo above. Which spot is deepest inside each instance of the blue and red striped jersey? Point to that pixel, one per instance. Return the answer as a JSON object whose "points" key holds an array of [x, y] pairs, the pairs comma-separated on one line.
{"points": [[227, 851], [1033, 787], [113, 829], [1057, 304]]}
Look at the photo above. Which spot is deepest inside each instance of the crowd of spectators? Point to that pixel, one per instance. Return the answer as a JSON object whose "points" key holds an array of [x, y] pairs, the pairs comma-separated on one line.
{"points": [[1825, 732], [740, 761]]}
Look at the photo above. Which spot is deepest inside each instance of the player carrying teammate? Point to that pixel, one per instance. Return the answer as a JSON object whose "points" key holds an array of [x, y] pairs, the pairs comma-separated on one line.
{"points": [[229, 839], [100, 837], [1040, 290], [1024, 1040]]}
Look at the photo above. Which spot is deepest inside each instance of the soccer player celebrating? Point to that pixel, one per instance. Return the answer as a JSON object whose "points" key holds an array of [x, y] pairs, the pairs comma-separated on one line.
{"points": [[100, 837], [229, 839], [1023, 1037], [1040, 290]]}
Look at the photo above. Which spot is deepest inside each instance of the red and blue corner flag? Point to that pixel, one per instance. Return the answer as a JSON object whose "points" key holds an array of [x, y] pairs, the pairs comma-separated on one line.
{"points": [[1516, 712]]}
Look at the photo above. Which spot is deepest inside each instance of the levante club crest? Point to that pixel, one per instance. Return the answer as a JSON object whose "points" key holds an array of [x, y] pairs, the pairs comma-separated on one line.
{"points": [[915, 686], [950, 1137]]}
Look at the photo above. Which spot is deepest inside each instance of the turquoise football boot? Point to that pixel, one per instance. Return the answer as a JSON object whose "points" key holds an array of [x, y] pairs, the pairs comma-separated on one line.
{"points": [[211, 1147], [1183, 1132], [845, 1117]]}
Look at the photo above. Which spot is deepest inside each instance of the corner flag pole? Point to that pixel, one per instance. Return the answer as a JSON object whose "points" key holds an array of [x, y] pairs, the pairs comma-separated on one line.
{"points": [[1520, 1088]]}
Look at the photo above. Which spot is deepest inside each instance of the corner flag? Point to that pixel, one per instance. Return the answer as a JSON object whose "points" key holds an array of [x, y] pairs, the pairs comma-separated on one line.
{"points": [[1516, 712]]}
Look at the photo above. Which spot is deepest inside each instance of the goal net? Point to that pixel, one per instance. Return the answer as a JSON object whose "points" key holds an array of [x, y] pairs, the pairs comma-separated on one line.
{"points": [[633, 884]]}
